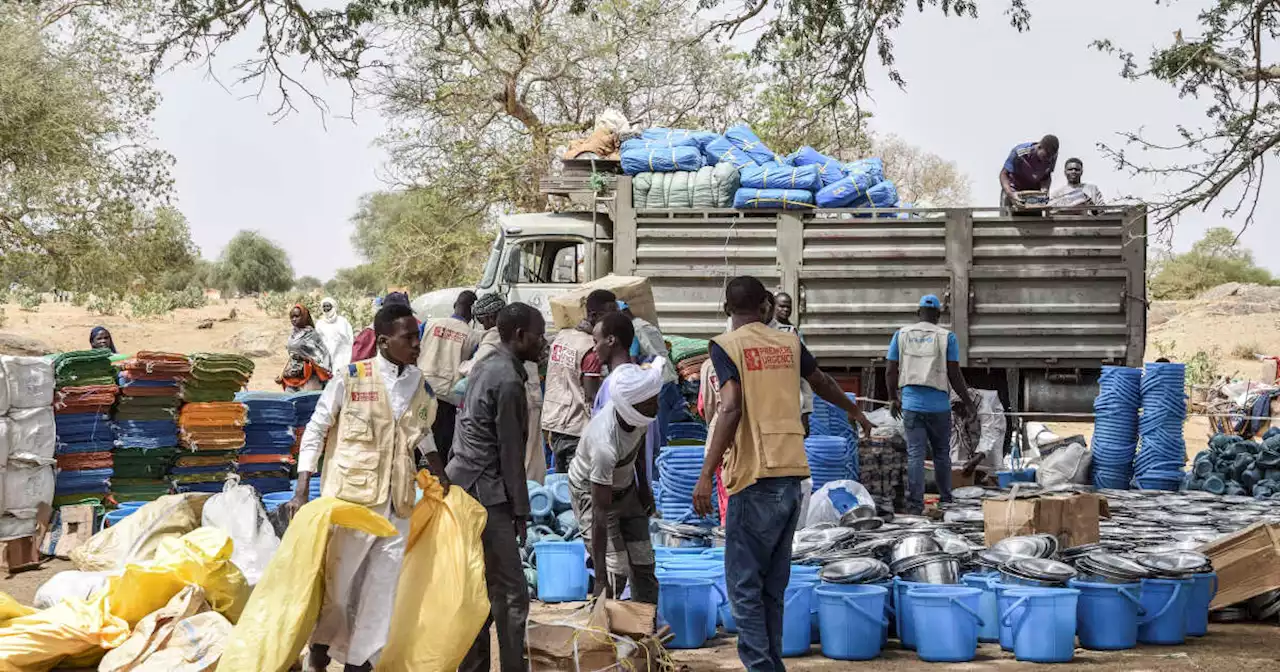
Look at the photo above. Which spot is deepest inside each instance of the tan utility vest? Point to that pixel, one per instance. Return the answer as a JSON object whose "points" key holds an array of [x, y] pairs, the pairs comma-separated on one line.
{"points": [[770, 439], [564, 404], [443, 341], [922, 356], [369, 454]]}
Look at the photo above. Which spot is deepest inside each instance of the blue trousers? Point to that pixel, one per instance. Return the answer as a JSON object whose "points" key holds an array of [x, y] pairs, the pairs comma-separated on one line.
{"points": [[757, 563], [927, 431]]}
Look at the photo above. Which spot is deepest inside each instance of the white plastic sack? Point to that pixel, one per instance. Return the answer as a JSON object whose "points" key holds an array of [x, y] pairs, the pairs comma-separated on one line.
{"points": [[70, 584], [806, 493], [887, 426], [28, 481], [13, 527], [30, 381], [5, 442], [4, 392], [32, 431], [1065, 465], [821, 510], [237, 511]]}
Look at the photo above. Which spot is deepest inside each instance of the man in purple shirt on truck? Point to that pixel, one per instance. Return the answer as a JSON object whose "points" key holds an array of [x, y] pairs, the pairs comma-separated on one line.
{"points": [[1029, 168]]}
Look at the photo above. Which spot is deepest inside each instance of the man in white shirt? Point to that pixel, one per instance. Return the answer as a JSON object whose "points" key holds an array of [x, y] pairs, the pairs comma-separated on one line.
{"points": [[380, 411], [1076, 193]]}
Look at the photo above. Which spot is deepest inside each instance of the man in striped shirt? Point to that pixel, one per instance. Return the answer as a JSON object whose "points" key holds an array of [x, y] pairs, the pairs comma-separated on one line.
{"points": [[1029, 168]]}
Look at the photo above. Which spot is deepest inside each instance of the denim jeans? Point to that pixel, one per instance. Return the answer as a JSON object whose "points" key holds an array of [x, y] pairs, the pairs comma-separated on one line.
{"points": [[927, 431], [757, 563]]}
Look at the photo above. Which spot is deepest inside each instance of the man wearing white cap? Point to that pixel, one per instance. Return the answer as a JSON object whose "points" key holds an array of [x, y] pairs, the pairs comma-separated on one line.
{"points": [[924, 363], [611, 495]]}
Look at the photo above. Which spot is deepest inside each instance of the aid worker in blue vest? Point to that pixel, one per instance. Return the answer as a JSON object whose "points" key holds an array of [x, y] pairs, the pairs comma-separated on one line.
{"points": [[924, 359]]}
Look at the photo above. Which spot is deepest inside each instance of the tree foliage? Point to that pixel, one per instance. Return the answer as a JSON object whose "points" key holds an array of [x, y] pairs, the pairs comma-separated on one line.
{"points": [[421, 238], [364, 279], [1215, 259], [922, 179], [307, 283], [252, 263]]}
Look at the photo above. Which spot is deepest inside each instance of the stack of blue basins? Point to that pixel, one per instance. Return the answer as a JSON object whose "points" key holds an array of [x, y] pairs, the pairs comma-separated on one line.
{"points": [[679, 434], [679, 468], [1160, 462], [828, 419], [830, 459], [1115, 429], [266, 459]]}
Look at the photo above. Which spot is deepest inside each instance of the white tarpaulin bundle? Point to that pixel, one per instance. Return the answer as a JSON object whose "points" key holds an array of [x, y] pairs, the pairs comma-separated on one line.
{"points": [[28, 481], [32, 432], [30, 381]]}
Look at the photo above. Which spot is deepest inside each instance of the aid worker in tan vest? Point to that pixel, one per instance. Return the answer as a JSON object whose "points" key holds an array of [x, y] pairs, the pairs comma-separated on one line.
{"points": [[758, 435], [446, 343], [368, 422], [574, 373]]}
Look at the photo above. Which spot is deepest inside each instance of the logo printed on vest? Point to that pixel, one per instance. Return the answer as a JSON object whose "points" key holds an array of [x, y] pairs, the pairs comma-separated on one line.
{"points": [[439, 331], [564, 356], [920, 339], [364, 396], [775, 357], [423, 413]]}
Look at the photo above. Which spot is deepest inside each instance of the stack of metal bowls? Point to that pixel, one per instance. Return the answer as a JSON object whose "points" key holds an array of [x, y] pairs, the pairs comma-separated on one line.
{"points": [[855, 570], [1028, 546], [1040, 572], [1176, 564], [1106, 567], [935, 567], [862, 518]]}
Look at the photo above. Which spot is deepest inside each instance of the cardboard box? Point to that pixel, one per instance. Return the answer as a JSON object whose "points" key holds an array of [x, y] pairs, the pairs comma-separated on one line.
{"points": [[606, 635], [568, 309], [1247, 563], [1072, 518]]}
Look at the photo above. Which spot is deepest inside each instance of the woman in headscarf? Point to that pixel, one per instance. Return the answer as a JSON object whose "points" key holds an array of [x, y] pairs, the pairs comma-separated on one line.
{"points": [[309, 366], [100, 339], [336, 333], [609, 482]]}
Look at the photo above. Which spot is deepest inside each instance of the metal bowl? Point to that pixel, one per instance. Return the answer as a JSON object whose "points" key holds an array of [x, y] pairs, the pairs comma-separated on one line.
{"points": [[855, 570], [912, 545], [939, 568]]}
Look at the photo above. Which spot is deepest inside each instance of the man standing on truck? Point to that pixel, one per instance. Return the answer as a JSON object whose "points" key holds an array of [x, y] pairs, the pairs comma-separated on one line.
{"points": [[1029, 168], [923, 359], [782, 311], [759, 438], [446, 343], [573, 377], [1076, 193]]}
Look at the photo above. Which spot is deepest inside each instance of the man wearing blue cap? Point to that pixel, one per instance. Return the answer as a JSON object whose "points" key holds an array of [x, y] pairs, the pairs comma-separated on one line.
{"points": [[923, 359]]}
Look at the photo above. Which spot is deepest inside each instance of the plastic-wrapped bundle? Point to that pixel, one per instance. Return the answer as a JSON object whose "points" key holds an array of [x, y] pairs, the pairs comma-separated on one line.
{"points": [[675, 135], [709, 187], [773, 199], [646, 144], [872, 167], [1163, 452], [720, 150], [667, 160], [883, 195], [745, 139], [1115, 433], [778, 176], [829, 170], [844, 193]]}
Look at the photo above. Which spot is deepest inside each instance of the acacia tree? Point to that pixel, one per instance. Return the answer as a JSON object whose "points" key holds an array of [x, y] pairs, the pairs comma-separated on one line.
{"points": [[1215, 259], [922, 178], [252, 263]]}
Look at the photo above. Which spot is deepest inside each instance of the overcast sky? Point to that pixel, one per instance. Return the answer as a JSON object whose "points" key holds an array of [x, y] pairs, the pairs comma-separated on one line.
{"points": [[975, 89]]}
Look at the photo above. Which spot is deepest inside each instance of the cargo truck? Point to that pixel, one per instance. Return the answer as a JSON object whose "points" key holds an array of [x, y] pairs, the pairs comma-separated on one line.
{"points": [[1038, 304]]}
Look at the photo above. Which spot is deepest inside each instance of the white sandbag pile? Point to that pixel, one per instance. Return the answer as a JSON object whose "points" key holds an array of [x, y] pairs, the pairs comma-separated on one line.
{"points": [[27, 442]]}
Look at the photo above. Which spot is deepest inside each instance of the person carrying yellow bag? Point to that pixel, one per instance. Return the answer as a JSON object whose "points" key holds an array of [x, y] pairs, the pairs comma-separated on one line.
{"points": [[443, 573]]}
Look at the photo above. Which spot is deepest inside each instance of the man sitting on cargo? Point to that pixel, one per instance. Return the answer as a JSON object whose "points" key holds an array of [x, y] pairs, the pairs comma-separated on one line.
{"points": [[923, 359], [1029, 168], [1076, 193], [573, 377]]}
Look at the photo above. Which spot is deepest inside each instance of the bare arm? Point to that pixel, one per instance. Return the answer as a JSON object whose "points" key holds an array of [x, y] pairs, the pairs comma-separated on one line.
{"points": [[825, 386], [891, 380], [591, 387], [1007, 185], [601, 502], [728, 417]]}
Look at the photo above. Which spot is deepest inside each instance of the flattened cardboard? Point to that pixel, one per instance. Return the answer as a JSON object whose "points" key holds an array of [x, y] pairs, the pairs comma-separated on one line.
{"points": [[1247, 563], [568, 309]]}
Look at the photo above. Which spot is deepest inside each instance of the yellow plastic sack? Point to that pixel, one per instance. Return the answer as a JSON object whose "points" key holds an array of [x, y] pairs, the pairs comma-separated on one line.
{"points": [[11, 609], [75, 631], [201, 557], [184, 636], [441, 599], [284, 606], [138, 536]]}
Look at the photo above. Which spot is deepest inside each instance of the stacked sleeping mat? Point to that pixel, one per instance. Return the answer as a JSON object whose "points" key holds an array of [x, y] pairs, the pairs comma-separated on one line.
{"points": [[84, 392], [146, 417], [304, 405], [211, 434], [216, 377], [266, 461]]}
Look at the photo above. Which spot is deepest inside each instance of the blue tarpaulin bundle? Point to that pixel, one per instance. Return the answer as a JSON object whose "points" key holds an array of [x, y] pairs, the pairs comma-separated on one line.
{"points": [[830, 171], [847, 192], [667, 160], [773, 199], [778, 176], [646, 143], [872, 167], [883, 195], [674, 135], [745, 139], [720, 150]]}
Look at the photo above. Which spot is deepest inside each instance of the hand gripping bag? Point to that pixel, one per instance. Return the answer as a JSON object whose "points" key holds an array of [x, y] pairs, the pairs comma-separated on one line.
{"points": [[443, 573], [283, 609]]}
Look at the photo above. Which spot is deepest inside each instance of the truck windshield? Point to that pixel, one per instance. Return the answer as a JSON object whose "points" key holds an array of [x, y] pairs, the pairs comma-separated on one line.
{"points": [[491, 266]]}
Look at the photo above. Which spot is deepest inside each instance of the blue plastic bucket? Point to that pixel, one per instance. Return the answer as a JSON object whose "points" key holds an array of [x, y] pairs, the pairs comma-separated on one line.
{"points": [[562, 571], [1166, 603], [1043, 621], [1203, 588], [555, 478], [852, 619], [889, 613], [1003, 602], [272, 500], [683, 603], [1008, 478], [903, 607], [662, 553], [946, 621], [797, 617], [132, 505], [1108, 614], [719, 602], [990, 630], [810, 573], [116, 516]]}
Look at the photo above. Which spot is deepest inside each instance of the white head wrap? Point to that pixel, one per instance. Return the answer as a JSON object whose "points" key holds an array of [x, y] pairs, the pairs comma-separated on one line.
{"points": [[630, 384], [331, 316]]}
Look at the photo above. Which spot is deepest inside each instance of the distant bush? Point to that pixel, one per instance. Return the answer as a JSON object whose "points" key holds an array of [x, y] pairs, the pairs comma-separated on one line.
{"points": [[1245, 350], [28, 299], [1215, 259], [153, 304], [3, 318], [102, 305], [357, 308]]}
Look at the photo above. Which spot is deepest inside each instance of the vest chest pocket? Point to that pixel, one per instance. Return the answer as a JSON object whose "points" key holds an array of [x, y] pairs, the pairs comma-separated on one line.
{"points": [[782, 443], [356, 425]]}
